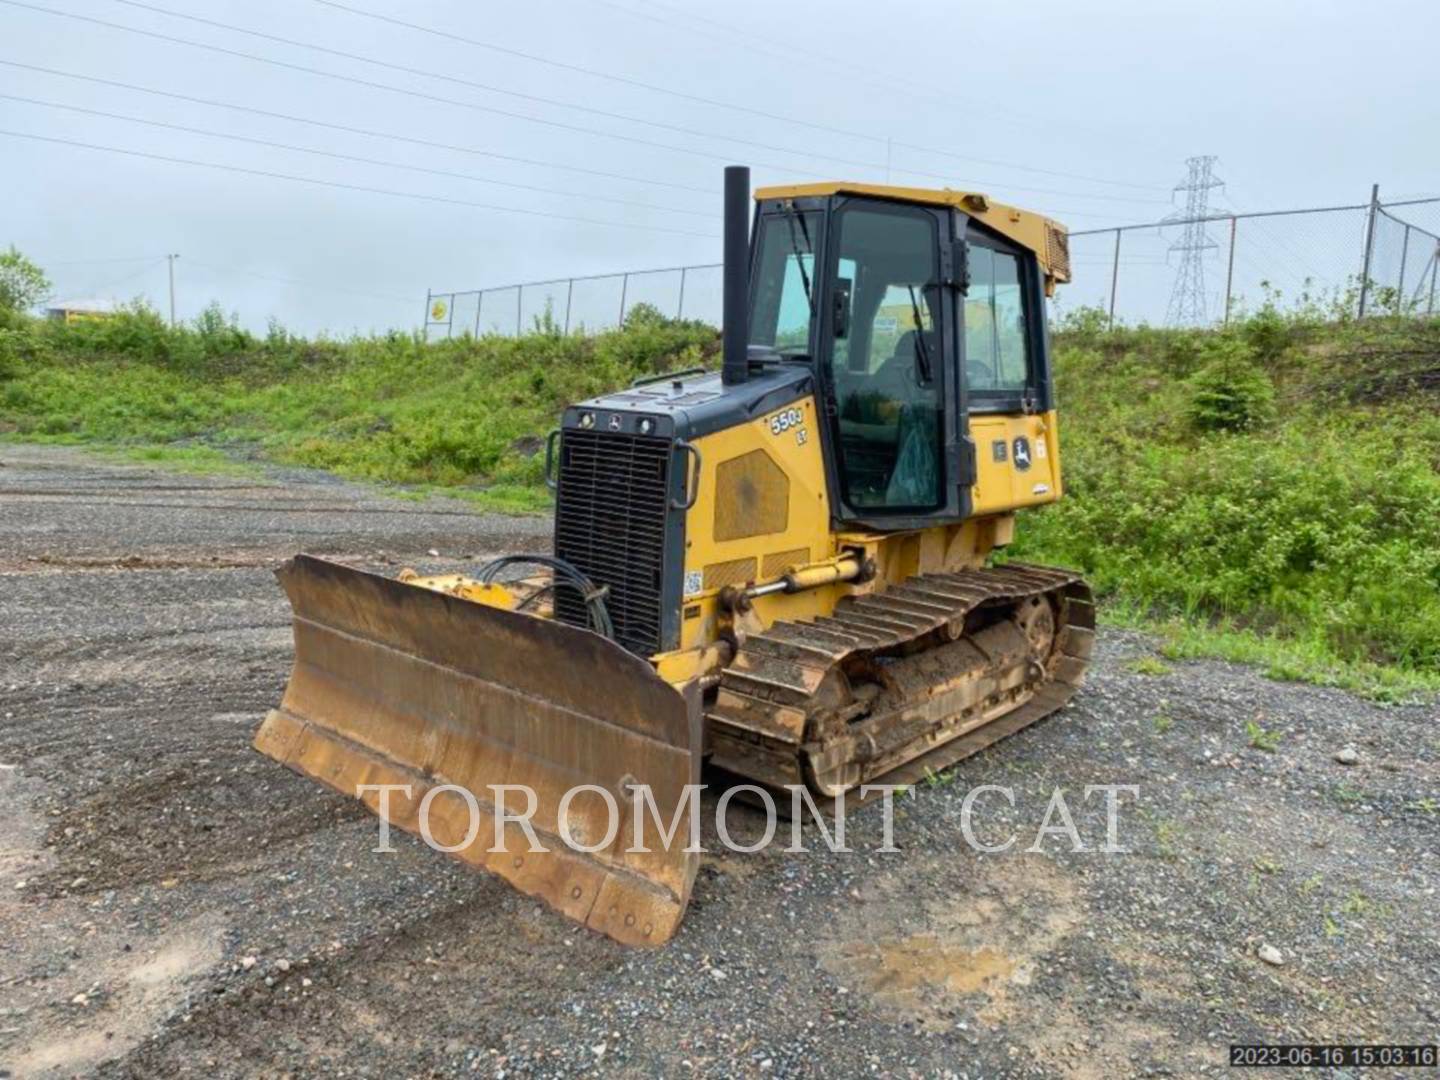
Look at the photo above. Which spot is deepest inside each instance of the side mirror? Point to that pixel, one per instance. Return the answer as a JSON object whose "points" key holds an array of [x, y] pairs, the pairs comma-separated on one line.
{"points": [[840, 309]]}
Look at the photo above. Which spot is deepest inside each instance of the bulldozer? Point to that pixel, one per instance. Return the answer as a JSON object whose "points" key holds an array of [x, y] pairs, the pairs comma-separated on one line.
{"points": [[780, 572]]}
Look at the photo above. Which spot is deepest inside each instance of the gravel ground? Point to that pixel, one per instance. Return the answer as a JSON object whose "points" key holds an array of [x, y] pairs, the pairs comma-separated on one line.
{"points": [[171, 903]]}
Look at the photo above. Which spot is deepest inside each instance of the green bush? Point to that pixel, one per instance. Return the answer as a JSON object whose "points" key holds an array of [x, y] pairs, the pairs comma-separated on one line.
{"points": [[12, 345], [23, 285], [1230, 392], [1277, 486]]}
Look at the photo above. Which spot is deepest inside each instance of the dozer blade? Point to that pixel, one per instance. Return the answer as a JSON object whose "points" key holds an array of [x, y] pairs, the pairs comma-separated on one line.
{"points": [[396, 684]]}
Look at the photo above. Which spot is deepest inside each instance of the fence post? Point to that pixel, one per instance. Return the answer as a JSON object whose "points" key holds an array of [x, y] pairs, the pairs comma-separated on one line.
{"points": [[425, 322], [1434, 266], [1369, 247], [450, 318], [624, 288], [1230, 270], [1404, 254], [519, 301], [569, 299], [680, 308], [479, 299], [1114, 278]]}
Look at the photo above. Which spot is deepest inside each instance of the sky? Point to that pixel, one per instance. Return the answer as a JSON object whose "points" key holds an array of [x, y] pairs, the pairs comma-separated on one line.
{"points": [[506, 142]]}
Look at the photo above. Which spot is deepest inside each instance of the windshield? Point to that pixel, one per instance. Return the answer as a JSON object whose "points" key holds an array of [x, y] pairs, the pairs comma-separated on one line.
{"points": [[785, 281]]}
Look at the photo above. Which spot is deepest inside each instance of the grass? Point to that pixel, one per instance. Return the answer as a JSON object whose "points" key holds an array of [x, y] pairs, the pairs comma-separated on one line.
{"points": [[1292, 657], [466, 415], [1348, 795], [187, 459], [1267, 494], [1168, 835], [1149, 665], [1257, 738]]}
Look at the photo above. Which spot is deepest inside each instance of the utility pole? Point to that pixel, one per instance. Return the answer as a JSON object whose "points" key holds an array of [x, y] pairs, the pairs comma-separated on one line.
{"points": [[1187, 299], [171, 260]]}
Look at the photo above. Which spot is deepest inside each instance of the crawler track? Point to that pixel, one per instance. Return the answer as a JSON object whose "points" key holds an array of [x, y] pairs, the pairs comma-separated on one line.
{"points": [[902, 683]]}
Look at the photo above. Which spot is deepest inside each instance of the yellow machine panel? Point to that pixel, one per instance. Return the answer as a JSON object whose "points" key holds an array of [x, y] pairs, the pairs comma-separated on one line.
{"points": [[1017, 461], [762, 503], [752, 497]]}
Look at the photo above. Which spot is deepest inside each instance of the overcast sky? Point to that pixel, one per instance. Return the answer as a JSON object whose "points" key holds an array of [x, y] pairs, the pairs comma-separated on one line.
{"points": [[1085, 111]]}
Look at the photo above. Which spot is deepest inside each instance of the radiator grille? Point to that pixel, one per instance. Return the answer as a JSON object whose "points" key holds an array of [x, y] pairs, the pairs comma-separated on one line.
{"points": [[610, 523]]}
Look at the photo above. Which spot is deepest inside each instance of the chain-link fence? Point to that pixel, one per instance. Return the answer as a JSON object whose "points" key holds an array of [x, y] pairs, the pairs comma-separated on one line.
{"points": [[1405, 258], [595, 302], [1363, 259]]}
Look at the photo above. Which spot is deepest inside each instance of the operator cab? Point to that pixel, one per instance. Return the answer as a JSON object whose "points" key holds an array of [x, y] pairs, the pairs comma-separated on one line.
{"points": [[914, 312]]}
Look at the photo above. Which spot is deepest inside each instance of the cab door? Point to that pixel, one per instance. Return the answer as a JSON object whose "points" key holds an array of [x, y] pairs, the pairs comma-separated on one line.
{"points": [[886, 363]]}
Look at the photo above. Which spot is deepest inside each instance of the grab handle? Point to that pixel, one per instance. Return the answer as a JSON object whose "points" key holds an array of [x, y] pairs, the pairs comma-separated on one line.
{"points": [[693, 487]]}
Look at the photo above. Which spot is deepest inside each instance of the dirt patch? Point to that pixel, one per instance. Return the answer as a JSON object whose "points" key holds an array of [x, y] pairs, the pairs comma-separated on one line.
{"points": [[103, 988], [928, 963], [131, 1000]]}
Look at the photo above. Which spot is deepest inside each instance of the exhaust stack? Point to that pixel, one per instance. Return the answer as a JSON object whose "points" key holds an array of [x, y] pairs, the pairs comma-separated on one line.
{"points": [[736, 334]]}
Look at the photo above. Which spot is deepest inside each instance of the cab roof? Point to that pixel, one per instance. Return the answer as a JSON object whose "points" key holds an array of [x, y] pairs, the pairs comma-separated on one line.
{"points": [[1047, 238]]}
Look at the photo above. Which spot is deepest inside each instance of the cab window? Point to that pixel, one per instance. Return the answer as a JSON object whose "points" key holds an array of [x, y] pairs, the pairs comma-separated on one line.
{"points": [[997, 354], [785, 281], [885, 368]]}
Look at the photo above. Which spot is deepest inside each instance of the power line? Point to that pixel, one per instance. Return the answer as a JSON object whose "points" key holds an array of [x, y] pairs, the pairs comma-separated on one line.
{"points": [[679, 128], [209, 133], [1030, 168], [908, 87], [228, 270], [609, 76], [502, 112], [488, 87], [97, 262], [683, 95], [354, 187], [748, 40], [151, 262], [373, 85], [211, 102]]}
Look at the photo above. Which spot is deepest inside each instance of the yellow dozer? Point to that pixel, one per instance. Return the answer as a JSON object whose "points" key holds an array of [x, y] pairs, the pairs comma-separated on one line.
{"points": [[777, 571]]}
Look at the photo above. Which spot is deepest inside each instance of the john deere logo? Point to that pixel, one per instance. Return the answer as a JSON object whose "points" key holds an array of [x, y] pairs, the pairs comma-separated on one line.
{"points": [[438, 310], [1021, 453]]}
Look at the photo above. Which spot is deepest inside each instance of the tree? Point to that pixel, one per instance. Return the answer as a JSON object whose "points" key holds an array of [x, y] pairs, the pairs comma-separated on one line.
{"points": [[22, 283]]}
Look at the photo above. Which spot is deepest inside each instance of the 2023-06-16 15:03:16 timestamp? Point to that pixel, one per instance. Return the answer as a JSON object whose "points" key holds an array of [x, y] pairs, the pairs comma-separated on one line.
{"points": [[1335, 1055]]}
